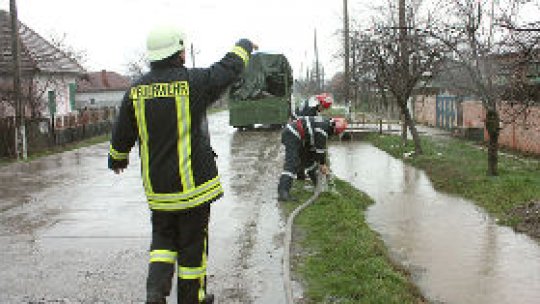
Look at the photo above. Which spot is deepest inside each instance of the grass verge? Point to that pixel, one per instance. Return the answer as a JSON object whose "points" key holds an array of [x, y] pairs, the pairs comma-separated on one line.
{"points": [[62, 148], [338, 257], [458, 167]]}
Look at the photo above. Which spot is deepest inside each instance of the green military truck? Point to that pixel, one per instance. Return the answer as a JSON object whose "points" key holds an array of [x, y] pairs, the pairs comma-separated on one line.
{"points": [[262, 96]]}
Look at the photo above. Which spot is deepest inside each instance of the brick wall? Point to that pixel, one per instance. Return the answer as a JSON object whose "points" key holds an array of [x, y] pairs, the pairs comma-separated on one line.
{"points": [[473, 114], [520, 128], [424, 109]]}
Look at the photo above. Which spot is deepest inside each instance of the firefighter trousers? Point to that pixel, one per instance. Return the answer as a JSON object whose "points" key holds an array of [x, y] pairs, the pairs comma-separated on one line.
{"points": [[179, 243], [292, 160], [304, 156], [312, 166]]}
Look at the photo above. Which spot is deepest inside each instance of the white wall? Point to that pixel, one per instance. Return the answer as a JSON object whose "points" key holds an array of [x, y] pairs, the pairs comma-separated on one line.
{"points": [[44, 83], [101, 99], [59, 84]]}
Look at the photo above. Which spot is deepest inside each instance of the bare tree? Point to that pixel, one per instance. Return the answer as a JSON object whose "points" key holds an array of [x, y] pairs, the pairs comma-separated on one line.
{"points": [[36, 84], [309, 85], [60, 42], [137, 65], [399, 56], [493, 55]]}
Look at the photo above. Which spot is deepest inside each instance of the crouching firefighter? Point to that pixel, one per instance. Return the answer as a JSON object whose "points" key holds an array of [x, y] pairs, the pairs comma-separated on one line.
{"points": [[314, 105], [311, 132], [164, 111], [311, 107]]}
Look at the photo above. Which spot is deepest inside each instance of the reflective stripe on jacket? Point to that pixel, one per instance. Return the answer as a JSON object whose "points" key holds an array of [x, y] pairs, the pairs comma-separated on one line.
{"points": [[316, 130]]}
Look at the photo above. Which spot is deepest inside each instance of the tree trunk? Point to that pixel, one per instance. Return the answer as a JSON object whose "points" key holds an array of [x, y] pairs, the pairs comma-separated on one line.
{"points": [[493, 129], [403, 128], [412, 127]]}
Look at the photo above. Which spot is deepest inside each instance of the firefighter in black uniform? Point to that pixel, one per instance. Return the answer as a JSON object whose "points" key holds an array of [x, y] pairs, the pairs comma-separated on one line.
{"points": [[314, 105], [164, 111], [313, 132], [311, 107]]}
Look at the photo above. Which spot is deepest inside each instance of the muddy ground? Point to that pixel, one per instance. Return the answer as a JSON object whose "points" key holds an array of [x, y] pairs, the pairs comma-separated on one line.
{"points": [[73, 232], [530, 219]]}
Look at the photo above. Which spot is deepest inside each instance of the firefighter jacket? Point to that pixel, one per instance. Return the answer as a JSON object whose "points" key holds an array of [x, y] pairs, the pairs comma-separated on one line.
{"points": [[165, 112], [305, 110], [313, 132]]}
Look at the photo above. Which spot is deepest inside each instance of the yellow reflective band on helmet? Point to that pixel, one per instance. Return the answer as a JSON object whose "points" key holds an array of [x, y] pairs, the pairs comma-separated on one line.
{"points": [[117, 155], [160, 90], [179, 205], [238, 50], [163, 256]]}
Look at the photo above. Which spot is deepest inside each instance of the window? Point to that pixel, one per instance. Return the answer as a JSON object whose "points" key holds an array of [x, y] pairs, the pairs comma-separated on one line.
{"points": [[52, 102], [72, 93]]}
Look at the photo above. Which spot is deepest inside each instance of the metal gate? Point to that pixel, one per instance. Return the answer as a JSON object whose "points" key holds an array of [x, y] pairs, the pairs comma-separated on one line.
{"points": [[446, 112]]}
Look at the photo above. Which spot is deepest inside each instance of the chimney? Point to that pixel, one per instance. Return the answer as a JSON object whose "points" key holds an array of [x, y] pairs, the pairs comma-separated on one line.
{"points": [[104, 79]]}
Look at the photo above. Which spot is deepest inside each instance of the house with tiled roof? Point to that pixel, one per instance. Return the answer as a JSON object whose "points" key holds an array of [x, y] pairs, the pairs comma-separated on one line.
{"points": [[101, 89], [48, 75]]}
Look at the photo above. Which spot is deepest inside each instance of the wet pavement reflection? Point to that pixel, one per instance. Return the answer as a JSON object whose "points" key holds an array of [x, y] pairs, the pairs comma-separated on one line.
{"points": [[71, 231], [246, 225], [454, 250]]}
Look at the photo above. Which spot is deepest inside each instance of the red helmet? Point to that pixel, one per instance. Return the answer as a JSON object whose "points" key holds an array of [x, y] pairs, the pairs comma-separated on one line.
{"points": [[325, 100], [340, 124]]}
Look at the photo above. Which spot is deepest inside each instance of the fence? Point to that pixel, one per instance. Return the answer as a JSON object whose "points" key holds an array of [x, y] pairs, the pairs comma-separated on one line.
{"points": [[520, 125], [42, 134]]}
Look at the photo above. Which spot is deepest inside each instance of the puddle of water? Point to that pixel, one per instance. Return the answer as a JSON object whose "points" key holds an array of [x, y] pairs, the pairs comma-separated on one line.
{"points": [[454, 250], [245, 259]]}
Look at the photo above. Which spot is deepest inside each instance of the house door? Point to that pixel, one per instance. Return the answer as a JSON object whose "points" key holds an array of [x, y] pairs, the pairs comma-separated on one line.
{"points": [[446, 112]]}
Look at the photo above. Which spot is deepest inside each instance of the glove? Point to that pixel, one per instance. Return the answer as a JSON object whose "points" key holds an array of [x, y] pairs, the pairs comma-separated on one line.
{"points": [[247, 45], [117, 165], [324, 169]]}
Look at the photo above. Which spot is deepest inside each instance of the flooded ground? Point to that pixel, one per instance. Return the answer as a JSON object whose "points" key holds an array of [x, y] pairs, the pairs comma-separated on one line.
{"points": [[454, 250], [73, 232]]}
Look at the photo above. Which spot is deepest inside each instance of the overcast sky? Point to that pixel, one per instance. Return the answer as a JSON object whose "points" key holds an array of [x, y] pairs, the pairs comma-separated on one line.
{"points": [[112, 32]]}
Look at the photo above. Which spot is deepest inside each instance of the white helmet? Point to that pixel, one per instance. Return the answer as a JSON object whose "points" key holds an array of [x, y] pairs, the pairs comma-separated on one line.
{"points": [[163, 41]]}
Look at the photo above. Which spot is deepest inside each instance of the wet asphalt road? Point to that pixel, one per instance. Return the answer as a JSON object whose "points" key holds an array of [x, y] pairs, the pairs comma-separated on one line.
{"points": [[73, 232]]}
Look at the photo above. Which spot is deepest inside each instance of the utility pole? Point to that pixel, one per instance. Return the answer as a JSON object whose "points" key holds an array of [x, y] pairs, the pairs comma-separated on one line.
{"points": [[192, 56], [318, 75], [403, 38], [322, 80], [346, 49], [354, 68], [404, 60], [20, 131]]}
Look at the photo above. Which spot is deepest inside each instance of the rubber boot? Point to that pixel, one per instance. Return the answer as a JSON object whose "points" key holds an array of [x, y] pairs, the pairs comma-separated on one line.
{"points": [[208, 299], [285, 183], [301, 175], [313, 177], [284, 196]]}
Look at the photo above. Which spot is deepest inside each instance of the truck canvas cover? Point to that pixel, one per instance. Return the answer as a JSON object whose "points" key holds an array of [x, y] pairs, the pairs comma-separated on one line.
{"points": [[266, 75]]}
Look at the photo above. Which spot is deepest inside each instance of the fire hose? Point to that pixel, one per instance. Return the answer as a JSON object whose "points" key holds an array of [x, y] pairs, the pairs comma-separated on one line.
{"points": [[322, 185]]}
